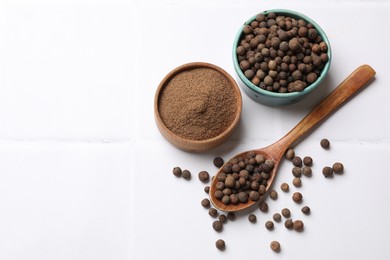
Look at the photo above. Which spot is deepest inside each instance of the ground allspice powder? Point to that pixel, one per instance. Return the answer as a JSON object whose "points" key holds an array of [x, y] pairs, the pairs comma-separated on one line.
{"points": [[198, 104]]}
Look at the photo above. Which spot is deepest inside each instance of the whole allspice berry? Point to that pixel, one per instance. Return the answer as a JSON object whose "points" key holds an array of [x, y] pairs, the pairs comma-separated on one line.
{"points": [[290, 154], [294, 45], [289, 223], [277, 217], [243, 197], [176, 171], [231, 216], [297, 182], [213, 212], [226, 199], [297, 161], [217, 225], [297, 197], [284, 187], [204, 176], [325, 143], [263, 206], [311, 77], [218, 194], [234, 199], [327, 171], [338, 167], [286, 212], [273, 194], [186, 174], [308, 161], [252, 218], [205, 203], [220, 244], [222, 218], [269, 225], [207, 189], [275, 246], [296, 171], [298, 225], [254, 195], [230, 181], [306, 170], [305, 210], [218, 162]]}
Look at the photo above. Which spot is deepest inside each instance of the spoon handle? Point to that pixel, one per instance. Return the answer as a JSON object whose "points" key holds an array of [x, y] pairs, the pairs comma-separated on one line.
{"points": [[354, 82]]}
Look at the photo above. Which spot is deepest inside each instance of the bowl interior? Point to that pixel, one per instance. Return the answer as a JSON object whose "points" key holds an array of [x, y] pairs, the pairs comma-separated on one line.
{"points": [[291, 95]]}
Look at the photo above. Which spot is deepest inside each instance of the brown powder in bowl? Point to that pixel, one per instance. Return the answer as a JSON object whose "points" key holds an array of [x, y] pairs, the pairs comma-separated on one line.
{"points": [[198, 104]]}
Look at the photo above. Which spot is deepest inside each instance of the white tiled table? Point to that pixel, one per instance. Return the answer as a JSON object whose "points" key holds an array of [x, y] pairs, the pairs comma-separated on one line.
{"points": [[85, 174]]}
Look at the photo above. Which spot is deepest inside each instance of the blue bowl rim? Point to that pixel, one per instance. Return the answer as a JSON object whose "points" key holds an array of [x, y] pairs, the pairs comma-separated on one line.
{"points": [[309, 88]]}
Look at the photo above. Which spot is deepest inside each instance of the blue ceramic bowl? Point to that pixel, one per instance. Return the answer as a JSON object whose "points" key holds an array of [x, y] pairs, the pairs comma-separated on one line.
{"points": [[273, 98]]}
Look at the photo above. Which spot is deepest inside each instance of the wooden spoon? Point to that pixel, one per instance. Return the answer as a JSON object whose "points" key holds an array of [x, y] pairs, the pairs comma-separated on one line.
{"points": [[276, 151]]}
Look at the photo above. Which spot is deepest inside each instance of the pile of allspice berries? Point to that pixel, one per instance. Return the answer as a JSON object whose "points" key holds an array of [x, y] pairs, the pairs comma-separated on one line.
{"points": [[281, 54], [300, 167]]}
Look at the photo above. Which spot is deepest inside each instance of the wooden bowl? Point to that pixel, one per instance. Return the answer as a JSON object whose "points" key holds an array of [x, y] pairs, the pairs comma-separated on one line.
{"points": [[190, 144]]}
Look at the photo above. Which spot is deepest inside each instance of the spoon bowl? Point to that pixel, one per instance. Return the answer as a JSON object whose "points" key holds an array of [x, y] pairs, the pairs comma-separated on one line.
{"points": [[354, 82]]}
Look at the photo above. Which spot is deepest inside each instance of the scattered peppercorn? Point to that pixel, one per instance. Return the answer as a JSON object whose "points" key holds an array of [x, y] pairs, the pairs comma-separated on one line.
{"points": [[289, 224], [305, 210], [298, 225], [338, 167], [213, 212], [205, 203], [176, 171], [286, 213], [218, 162], [207, 189], [297, 171], [231, 216], [217, 225], [186, 174], [297, 182], [306, 170], [327, 171], [277, 217], [252, 218], [204, 176], [297, 197], [269, 225], [273, 194], [275, 246], [220, 244], [325, 143], [297, 161], [308, 161], [263, 206], [284, 187], [222, 218]]}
